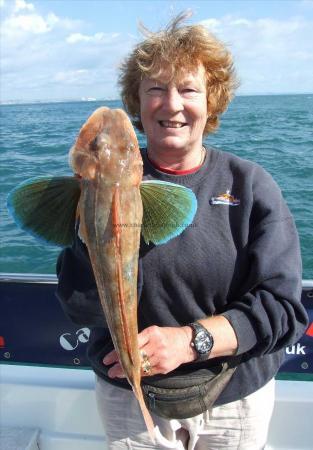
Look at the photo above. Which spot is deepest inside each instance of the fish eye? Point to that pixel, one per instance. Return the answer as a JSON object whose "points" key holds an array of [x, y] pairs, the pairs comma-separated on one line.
{"points": [[94, 145]]}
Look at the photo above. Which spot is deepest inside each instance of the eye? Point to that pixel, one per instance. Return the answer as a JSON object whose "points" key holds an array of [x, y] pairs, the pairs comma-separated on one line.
{"points": [[156, 90], [188, 91]]}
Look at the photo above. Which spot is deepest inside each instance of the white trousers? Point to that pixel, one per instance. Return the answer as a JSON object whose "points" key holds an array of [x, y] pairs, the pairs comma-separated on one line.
{"points": [[240, 425]]}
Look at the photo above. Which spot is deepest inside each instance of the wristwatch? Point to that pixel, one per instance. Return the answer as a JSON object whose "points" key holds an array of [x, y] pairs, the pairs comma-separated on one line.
{"points": [[202, 341]]}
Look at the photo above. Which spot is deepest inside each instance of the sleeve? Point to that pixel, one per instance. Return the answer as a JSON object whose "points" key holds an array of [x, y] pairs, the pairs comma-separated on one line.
{"points": [[77, 290], [268, 315]]}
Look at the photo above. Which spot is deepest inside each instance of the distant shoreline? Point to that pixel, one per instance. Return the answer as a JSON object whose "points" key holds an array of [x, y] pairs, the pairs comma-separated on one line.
{"points": [[45, 102], [49, 101]]}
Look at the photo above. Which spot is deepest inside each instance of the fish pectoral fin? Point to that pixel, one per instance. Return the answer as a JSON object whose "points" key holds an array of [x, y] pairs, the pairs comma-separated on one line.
{"points": [[46, 208], [168, 209]]}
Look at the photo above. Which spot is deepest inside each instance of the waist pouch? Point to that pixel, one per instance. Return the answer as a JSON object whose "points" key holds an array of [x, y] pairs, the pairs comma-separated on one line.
{"points": [[186, 394]]}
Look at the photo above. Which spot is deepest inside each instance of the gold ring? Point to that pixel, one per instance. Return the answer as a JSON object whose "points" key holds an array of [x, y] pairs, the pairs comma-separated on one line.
{"points": [[145, 363], [146, 366]]}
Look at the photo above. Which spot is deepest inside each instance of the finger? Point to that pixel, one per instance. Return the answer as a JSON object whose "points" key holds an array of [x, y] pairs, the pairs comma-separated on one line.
{"points": [[149, 363], [146, 368], [143, 337], [116, 371], [110, 358], [144, 353]]}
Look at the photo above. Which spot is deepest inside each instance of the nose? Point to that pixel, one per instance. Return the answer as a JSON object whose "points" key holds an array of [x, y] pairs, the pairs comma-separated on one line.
{"points": [[173, 101]]}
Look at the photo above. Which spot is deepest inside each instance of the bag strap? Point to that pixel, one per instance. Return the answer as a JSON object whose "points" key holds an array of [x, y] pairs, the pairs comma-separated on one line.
{"points": [[196, 376], [221, 380]]}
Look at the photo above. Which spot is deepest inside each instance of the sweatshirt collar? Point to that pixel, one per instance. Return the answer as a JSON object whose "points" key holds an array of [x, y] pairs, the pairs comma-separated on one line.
{"points": [[192, 177]]}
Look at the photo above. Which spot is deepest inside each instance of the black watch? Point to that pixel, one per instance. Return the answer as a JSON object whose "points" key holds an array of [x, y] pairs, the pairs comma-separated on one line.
{"points": [[202, 341]]}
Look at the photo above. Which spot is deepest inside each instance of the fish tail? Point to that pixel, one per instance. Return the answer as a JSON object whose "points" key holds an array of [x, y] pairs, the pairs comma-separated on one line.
{"points": [[145, 412]]}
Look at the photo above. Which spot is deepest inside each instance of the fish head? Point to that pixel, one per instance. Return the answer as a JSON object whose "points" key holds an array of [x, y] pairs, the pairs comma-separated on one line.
{"points": [[107, 148]]}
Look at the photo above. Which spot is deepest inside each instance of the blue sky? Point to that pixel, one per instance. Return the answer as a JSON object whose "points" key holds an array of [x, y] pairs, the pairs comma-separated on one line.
{"points": [[71, 49]]}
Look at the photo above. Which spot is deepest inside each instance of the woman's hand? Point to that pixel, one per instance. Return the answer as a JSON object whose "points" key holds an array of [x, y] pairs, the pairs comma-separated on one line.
{"points": [[166, 348]]}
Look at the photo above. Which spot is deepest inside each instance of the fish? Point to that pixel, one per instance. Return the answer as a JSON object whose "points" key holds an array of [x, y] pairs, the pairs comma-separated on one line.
{"points": [[113, 206]]}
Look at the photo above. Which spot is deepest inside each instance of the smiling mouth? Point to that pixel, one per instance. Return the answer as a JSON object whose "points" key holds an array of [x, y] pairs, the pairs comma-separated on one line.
{"points": [[170, 124]]}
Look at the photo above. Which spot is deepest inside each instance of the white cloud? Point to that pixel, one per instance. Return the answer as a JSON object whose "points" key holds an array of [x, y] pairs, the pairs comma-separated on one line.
{"points": [[38, 60], [75, 38], [72, 76], [212, 24], [270, 55], [242, 23], [21, 4], [23, 21], [30, 23]]}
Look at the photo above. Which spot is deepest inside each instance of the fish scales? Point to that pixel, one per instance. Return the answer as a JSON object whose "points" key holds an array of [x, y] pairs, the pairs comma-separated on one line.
{"points": [[107, 157]]}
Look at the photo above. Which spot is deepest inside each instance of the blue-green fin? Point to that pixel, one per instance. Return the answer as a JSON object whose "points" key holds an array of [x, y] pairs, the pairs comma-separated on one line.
{"points": [[46, 208], [168, 209]]}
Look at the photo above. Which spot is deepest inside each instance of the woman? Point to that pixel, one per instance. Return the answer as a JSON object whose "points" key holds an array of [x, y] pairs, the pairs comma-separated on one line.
{"points": [[232, 280]]}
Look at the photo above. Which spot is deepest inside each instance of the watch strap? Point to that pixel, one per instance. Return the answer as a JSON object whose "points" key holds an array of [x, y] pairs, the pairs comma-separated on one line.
{"points": [[197, 327]]}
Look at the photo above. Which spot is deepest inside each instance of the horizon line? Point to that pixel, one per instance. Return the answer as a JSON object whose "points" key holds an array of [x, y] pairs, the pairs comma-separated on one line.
{"points": [[94, 100]]}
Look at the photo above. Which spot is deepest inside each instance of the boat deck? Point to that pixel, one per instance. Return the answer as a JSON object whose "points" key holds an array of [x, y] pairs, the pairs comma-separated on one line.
{"points": [[47, 397]]}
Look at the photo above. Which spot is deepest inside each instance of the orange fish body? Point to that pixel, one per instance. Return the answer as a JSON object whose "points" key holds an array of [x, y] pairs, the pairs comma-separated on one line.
{"points": [[114, 207], [107, 157]]}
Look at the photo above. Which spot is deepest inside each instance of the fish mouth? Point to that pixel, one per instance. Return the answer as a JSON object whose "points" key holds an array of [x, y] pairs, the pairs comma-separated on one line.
{"points": [[171, 124]]}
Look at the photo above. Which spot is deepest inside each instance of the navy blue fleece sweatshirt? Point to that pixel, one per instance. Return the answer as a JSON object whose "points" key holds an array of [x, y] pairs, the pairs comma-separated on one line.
{"points": [[239, 258]]}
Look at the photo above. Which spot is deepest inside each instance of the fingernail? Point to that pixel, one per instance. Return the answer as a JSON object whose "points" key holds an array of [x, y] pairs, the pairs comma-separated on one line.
{"points": [[106, 360]]}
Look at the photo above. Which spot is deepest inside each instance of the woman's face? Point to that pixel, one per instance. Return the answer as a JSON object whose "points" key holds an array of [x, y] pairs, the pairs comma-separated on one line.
{"points": [[174, 114]]}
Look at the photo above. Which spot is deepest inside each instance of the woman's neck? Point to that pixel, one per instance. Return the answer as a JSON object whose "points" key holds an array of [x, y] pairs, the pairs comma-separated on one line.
{"points": [[176, 160]]}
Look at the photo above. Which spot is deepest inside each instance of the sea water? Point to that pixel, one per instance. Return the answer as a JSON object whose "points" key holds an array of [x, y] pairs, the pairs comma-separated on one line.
{"points": [[274, 131]]}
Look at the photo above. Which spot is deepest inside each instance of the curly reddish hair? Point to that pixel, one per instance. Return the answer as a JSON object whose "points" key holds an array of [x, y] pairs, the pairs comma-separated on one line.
{"points": [[179, 48]]}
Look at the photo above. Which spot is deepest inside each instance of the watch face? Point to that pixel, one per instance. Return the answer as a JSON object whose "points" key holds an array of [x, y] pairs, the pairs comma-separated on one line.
{"points": [[203, 342]]}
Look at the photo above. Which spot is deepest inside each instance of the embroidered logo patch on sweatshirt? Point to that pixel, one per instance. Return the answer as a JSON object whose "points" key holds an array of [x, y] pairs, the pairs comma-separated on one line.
{"points": [[225, 199]]}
